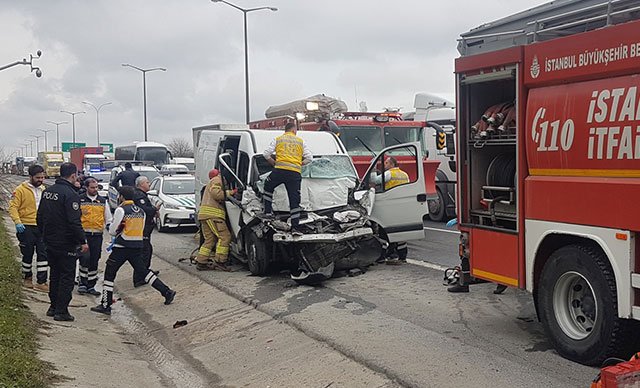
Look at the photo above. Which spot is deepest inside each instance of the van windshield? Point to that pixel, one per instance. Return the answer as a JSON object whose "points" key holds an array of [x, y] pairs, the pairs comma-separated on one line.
{"points": [[329, 166]]}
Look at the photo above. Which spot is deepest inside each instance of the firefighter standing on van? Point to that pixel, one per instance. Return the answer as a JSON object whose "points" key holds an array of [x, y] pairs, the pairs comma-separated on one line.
{"points": [[213, 225], [127, 227], [59, 222], [95, 216], [23, 209], [290, 154], [393, 176]]}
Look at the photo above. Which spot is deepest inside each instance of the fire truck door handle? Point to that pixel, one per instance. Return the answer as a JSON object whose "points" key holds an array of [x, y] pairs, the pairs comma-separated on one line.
{"points": [[422, 198]]}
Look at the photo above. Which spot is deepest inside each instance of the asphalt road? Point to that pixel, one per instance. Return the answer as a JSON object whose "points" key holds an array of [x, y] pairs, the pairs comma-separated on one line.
{"points": [[401, 322]]}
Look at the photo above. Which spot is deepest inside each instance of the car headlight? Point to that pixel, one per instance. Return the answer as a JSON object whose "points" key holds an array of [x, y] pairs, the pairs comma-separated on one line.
{"points": [[171, 206]]}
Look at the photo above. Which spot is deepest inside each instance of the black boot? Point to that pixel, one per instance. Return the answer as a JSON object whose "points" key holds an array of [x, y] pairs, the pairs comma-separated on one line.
{"points": [[101, 309], [458, 288], [64, 317], [169, 297], [499, 289]]}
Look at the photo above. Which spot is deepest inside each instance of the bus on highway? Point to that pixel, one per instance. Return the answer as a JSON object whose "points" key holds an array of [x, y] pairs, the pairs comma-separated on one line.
{"points": [[144, 151]]}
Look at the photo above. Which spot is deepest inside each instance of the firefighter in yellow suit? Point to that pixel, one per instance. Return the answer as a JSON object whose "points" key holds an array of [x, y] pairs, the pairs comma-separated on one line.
{"points": [[213, 226]]}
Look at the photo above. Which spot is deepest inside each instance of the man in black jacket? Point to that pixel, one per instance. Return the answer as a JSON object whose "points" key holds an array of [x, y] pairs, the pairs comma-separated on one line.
{"points": [[59, 223], [141, 199], [126, 177]]}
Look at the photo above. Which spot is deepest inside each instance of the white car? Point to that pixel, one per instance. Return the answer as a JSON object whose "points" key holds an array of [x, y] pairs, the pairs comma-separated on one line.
{"points": [[172, 169], [177, 199], [149, 171]]}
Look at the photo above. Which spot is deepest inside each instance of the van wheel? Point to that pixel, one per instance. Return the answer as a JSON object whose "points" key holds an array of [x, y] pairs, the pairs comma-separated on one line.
{"points": [[437, 207], [579, 307], [258, 254]]}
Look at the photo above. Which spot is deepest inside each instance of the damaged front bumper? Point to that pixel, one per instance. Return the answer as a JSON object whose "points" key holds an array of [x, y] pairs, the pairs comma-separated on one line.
{"points": [[322, 237]]}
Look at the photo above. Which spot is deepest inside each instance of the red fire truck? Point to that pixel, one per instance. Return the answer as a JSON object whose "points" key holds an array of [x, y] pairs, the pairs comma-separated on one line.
{"points": [[548, 147], [364, 134]]}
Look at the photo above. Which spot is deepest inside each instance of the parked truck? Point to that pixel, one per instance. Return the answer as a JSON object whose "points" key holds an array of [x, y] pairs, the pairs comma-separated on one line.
{"points": [[549, 167], [51, 162], [87, 158], [346, 222]]}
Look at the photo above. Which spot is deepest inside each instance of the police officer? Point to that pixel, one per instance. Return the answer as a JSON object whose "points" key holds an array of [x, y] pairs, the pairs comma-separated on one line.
{"points": [[290, 154], [59, 222], [213, 225], [95, 216], [126, 177], [141, 199], [127, 227], [23, 210], [394, 176]]}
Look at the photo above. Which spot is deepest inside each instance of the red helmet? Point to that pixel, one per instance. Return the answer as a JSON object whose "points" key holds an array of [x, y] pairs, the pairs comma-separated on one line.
{"points": [[213, 173]]}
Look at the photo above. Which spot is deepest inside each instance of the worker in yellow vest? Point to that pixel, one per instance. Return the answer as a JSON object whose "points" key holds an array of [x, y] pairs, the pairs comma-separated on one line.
{"points": [[393, 176], [213, 225], [22, 209], [95, 217], [290, 154], [128, 229]]}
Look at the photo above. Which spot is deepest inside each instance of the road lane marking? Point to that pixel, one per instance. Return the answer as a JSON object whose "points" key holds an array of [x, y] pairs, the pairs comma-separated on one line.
{"points": [[441, 230], [426, 264]]}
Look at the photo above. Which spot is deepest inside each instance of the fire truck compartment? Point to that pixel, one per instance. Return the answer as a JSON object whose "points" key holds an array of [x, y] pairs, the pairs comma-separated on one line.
{"points": [[496, 265], [491, 154]]}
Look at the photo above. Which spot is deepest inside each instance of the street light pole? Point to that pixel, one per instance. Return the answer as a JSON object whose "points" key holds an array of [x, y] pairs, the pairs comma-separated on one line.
{"points": [[97, 117], [245, 11], [58, 132], [144, 90], [31, 145], [45, 131], [25, 62], [37, 143], [73, 120]]}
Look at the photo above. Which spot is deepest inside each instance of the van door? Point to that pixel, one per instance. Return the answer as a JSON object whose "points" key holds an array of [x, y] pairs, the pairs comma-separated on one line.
{"points": [[398, 177]]}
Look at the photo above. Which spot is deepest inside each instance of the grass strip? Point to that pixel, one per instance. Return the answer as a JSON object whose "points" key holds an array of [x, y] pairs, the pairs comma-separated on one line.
{"points": [[19, 363]]}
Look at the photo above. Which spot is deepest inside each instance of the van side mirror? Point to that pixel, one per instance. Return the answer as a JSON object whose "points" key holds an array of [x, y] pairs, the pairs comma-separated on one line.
{"points": [[153, 193]]}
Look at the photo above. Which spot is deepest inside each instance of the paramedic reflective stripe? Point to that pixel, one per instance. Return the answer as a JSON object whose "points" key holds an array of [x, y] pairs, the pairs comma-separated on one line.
{"points": [[295, 213], [220, 250], [212, 211], [93, 230], [107, 286], [288, 166], [150, 278]]}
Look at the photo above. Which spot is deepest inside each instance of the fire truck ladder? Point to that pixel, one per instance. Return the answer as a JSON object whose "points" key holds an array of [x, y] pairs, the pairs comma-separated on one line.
{"points": [[546, 22]]}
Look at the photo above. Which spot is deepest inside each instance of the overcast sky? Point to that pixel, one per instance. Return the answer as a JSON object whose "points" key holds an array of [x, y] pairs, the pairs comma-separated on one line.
{"points": [[381, 52]]}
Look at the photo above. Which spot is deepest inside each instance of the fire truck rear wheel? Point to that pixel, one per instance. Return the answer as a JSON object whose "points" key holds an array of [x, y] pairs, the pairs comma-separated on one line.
{"points": [[578, 306], [258, 254], [437, 207]]}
